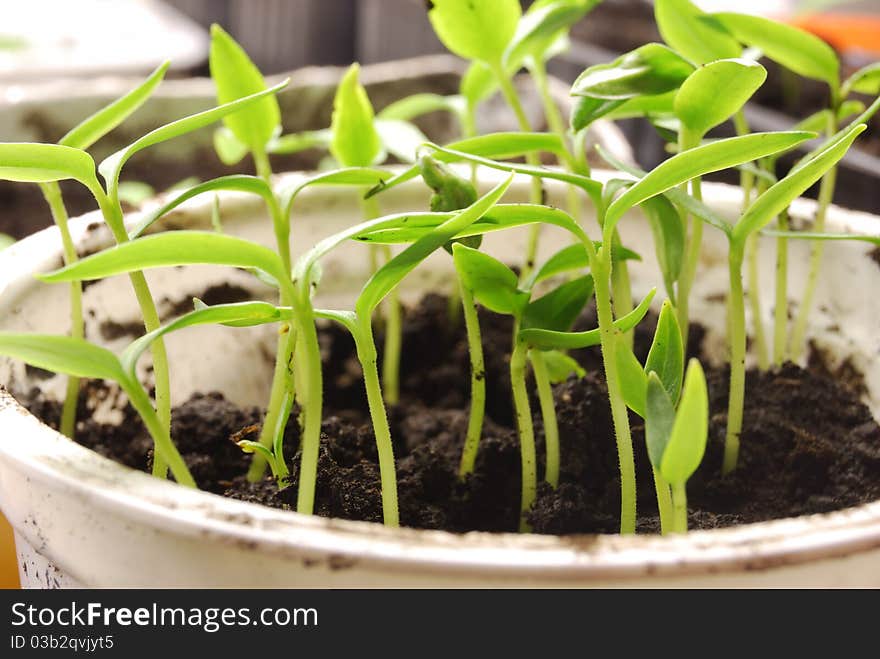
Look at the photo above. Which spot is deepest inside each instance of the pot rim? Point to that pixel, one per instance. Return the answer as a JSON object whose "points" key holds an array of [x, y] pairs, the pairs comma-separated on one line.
{"points": [[50, 458]]}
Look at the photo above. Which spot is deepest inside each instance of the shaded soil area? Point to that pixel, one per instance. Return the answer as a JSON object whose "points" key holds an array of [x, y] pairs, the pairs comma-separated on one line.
{"points": [[808, 445]]}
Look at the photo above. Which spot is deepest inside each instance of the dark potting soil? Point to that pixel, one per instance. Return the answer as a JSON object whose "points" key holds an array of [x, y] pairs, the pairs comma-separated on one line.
{"points": [[808, 444]]}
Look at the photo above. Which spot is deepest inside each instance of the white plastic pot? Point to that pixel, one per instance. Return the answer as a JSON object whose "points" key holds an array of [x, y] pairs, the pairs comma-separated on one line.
{"points": [[82, 520]]}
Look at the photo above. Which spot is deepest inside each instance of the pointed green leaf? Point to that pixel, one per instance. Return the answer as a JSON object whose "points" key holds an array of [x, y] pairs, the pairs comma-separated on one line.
{"points": [[704, 159], [296, 142], [355, 140], [400, 138], [228, 148], [89, 131], [416, 105], [715, 92], [236, 77], [354, 176], [648, 70], [171, 249], [28, 162], [666, 356], [864, 81], [560, 366], [558, 309], [659, 419], [240, 314], [541, 26], [690, 431], [686, 28], [236, 182], [112, 166], [668, 230], [62, 354], [391, 274], [477, 84], [631, 378], [793, 48], [475, 30], [552, 340], [492, 283], [779, 197]]}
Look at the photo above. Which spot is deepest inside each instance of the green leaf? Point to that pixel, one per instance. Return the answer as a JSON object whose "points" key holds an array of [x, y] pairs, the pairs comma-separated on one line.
{"points": [[848, 109], [648, 70], [687, 440], [560, 366], [808, 235], [692, 33], [793, 48], [541, 26], [631, 376], [451, 191], [355, 140], [588, 109], [236, 77], [573, 257], [668, 230], [666, 356], [492, 283], [62, 354], [715, 92], [864, 81], [168, 250], [816, 122], [236, 182], [239, 314], [355, 176], [704, 159], [391, 274], [558, 309], [400, 138], [777, 198], [28, 162], [498, 146], [416, 105], [89, 131], [659, 419], [296, 142], [475, 30], [228, 148], [112, 166], [552, 340]]}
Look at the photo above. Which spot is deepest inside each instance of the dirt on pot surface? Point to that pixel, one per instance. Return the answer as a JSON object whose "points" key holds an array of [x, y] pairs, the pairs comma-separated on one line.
{"points": [[808, 444]]}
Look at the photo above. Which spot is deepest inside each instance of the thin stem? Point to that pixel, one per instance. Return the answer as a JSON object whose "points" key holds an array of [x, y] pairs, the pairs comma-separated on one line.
{"points": [[621, 292], [312, 399], [664, 502], [478, 381], [537, 193], [780, 313], [393, 343], [52, 194], [694, 246], [679, 508], [754, 296], [548, 414], [164, 447], [366, 350], [817, 247], [112, 212], [526, 431], [608, 334], [737, 329]]}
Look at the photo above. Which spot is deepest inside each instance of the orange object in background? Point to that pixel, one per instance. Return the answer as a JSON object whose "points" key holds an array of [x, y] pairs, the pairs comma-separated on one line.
{"points": [[844, 32], [8, 561]]}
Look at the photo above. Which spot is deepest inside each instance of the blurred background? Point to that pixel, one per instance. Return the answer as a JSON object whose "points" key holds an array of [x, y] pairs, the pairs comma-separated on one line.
{"points": [[62, 59]]}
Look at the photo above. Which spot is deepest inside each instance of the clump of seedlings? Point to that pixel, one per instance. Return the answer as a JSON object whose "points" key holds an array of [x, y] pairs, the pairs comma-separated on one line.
{"points": [[700, 79]]}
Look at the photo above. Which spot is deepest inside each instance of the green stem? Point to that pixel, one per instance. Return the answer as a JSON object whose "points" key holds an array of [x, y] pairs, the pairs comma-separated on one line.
{"points": [[52, 194], [312, 396], [754, 296], [164, 447], [780, 313], [817, 247], [664, 502], [692, 255], [526, 431], [608, 335], [478, 382], [548, 414], [737, 329], [366, 350], [537, 193], [679, 508], [621, 292], [393, 343]]}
